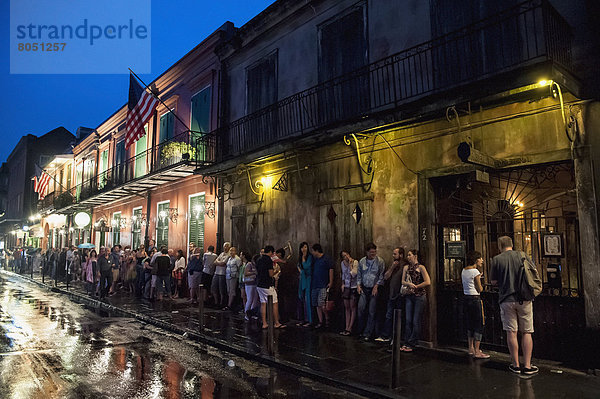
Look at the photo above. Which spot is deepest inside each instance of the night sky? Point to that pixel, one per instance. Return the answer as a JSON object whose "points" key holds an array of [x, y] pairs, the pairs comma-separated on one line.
{"points": [[36, 104]]}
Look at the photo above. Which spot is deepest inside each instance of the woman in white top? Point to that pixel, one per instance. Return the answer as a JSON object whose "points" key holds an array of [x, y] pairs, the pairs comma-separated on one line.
{"points": [[475, 320], [179, 272]]}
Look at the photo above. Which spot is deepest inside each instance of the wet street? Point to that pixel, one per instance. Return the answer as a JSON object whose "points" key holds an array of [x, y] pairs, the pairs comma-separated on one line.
{"points": [[53, 348]]}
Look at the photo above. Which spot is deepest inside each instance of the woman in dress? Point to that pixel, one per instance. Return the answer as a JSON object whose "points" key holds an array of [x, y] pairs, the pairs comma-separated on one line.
{"points": [[415, 300], [305, 261], [89, 273], [252, 302], [179, 272], [349, 269], [231, 276]]}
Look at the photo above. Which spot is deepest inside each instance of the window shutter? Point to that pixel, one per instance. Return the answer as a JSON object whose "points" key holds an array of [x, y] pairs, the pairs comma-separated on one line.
{"points": [[196, 230]]}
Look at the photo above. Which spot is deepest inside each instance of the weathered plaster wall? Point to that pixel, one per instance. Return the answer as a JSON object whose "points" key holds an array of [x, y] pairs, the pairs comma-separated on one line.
{"points": [[391, 27]]}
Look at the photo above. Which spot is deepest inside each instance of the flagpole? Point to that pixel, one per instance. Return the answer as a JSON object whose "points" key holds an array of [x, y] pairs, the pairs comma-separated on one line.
{"points": [[161, 101]]}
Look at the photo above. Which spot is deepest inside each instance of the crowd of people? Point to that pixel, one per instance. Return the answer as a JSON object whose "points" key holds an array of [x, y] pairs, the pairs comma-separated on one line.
{"points": [[368, 291]]}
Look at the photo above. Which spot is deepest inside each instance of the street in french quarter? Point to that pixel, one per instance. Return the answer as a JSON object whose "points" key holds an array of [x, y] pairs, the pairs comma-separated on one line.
{"points": [[303, 199]]}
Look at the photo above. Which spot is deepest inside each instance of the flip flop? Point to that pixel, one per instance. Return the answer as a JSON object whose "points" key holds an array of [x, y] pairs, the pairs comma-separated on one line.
{"points": [[281, 326], [482, 356], [265, 327]]}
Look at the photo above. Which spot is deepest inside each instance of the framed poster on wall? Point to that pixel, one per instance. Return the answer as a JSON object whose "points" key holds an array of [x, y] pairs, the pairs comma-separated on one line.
{"points": [[552, 245]]}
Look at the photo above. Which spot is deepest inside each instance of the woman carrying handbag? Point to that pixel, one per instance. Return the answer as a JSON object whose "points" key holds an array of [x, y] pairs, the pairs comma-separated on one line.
{"points": [[415, 278]]}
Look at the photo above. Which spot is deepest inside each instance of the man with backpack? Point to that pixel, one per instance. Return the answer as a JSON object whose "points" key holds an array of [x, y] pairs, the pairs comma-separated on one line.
{"points": [[515, 299]]}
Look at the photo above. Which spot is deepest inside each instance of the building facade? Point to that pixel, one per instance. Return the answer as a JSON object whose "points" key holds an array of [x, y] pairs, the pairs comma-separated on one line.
{"points": [[432, 126], [19, 199], [148, 191]]}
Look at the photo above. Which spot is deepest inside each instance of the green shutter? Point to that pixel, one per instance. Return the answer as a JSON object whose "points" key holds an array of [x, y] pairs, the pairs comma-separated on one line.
{"points": [[117, 228], [103, 167], [162, 226], [196, 216], [166, 127], [136, 228], [200, 121], [69, 171], [140, 156]]}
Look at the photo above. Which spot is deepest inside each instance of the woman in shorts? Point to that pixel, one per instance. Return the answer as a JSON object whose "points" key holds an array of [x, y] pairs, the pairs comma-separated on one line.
{"points": [[349, 294]]}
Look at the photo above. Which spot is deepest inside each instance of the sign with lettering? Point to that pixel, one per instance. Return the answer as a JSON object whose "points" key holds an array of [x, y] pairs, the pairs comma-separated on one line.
{"points": [[455, 249]]}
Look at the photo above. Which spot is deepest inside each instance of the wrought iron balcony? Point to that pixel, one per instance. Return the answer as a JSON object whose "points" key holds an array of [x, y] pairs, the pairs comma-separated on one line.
{"points": [[528, 34], [168, 161]]}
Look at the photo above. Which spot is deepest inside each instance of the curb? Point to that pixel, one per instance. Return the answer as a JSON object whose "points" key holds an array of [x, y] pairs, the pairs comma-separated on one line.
{"points": [[360, 389]]}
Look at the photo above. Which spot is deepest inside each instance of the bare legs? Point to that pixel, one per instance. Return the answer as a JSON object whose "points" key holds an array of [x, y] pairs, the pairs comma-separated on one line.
{"points": [[350, 307], [513, 347], [263, 314]]}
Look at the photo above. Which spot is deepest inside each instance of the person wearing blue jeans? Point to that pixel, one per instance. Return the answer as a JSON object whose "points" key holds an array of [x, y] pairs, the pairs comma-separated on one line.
{"points": [[417, 280], [370, 276]]}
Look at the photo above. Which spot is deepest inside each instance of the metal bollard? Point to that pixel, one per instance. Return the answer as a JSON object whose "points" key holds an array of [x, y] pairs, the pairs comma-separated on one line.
{"points": [[43, 270], [396, 345], [201, 294], [271, 324], [55, 274]]}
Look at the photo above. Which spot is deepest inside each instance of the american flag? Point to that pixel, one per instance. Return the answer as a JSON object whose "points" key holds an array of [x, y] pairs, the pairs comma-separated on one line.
{"points": [[140, 108], [41, 182]]}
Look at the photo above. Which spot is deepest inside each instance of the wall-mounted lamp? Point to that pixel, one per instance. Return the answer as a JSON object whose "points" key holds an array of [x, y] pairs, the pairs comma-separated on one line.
{"points": [[171, 213]]}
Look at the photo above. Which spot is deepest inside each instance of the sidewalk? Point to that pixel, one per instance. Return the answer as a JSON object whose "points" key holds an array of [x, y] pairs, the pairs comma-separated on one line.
{"points": [[364, 368]]}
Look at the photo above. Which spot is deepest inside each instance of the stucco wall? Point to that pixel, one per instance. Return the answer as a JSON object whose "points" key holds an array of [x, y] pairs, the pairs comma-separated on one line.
{"points": [[391, 27]]}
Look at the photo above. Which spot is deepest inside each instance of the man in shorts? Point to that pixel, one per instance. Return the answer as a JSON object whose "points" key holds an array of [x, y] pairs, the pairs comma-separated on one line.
{"points": [[322, 280], [265, 285], [516, 316]]}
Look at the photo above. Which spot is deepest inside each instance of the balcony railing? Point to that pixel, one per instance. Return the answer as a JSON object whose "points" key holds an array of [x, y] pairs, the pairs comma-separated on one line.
{"points": [[189, 147], [526, 34]]}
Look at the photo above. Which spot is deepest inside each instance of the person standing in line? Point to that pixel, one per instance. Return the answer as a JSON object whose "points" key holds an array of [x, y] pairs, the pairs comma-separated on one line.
{"points": [[475, 320], [90, 272], [394, 276], [139, 270], [163, 270], [179, 272], [231, 276], [265, 285], [219, 283], [241, 277], [416, 300], [252, 301], [105, 264], [208, 260], [322, 281], [516, 316], [195, 276], [349, 268], [368, 280], [115, 257], [305, 262]]}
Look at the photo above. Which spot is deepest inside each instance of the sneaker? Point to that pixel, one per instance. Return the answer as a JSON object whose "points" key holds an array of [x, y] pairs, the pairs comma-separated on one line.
{"points": [[366, 339], [382, 339], [514, 369], [530, 371]]}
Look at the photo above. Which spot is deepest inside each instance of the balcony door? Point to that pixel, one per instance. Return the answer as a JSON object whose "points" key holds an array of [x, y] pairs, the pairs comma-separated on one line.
{"points": [[343, 49], [120, 165]]}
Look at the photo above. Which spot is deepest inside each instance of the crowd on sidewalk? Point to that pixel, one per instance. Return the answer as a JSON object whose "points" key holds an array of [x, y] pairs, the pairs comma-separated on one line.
{"points": [[366, 291]]}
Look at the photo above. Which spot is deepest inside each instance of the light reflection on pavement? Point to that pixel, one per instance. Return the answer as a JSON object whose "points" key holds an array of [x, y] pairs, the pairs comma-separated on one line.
{"points": [[53, 348]]}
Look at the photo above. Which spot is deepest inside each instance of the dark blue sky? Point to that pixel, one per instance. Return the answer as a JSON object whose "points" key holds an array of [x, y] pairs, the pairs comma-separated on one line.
{"points": [[37, 104]]}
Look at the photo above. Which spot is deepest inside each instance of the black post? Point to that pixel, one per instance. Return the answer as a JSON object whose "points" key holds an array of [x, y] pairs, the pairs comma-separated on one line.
{"points": [[55, 273], [31, 267], [201, 307], [44, 263], [68, 274], [396, 345], [271, 324]]}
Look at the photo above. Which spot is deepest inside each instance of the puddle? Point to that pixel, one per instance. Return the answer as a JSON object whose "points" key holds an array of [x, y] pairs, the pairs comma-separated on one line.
{"points": [[54, 348]]}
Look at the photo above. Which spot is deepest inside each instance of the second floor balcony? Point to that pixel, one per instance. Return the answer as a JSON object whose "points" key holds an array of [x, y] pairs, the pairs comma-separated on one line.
{"points": [[514, 47], [166, 162]]}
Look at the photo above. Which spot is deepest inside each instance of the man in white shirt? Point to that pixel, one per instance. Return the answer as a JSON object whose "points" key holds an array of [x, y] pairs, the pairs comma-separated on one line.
{"points": [[219, 284]]}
